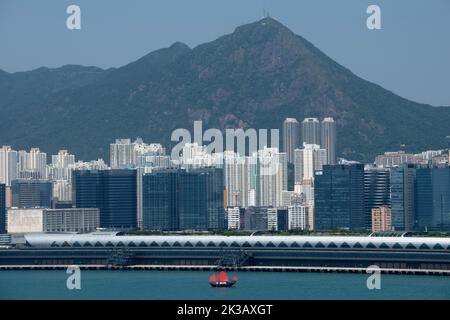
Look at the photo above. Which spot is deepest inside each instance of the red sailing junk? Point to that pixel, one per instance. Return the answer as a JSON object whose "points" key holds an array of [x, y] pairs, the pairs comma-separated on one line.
{"points": [[222, 280]]}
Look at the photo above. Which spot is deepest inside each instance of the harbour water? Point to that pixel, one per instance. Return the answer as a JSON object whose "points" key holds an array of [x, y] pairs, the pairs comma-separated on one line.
{"points": [[187, 285]]}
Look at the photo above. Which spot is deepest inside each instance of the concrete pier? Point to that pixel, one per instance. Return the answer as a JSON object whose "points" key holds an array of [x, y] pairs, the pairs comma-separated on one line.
{"points": [[240, 269]]}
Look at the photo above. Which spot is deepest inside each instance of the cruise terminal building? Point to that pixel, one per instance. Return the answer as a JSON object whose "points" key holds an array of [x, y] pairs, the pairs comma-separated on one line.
{"points": [[114, 248]]}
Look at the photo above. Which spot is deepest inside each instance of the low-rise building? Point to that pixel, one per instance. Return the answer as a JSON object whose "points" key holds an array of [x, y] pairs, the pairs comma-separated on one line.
{"points": [[53, 220]]}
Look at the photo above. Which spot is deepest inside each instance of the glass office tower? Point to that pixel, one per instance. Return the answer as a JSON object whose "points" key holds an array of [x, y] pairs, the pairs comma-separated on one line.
{"points": [[31, 193], [433, 199], [377, 192], [2, 208], [111, 191], [201, 202], [160, 200], [402, 181], [339, 197], [176, 199]]}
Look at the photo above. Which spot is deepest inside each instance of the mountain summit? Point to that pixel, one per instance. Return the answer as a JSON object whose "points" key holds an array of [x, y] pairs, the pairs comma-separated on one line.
{"points": [[254, 77]]}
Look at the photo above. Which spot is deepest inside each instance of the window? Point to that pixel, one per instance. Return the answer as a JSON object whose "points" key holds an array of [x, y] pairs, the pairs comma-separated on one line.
{"points": [[319, 245], [307, 245], [332, 245], [384, 246]]}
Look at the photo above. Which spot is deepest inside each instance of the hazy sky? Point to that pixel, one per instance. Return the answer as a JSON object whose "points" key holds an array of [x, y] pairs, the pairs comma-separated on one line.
{"points": [[409, 56]]}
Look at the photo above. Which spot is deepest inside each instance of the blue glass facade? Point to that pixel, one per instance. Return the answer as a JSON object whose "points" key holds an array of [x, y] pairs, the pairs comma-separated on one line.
{"points": [[201, 201], [160, 200], [31, 193], [111, 191], [2, 208], [376, 192], [180, 200], [402, 181], [433, 198], [339, 197]]}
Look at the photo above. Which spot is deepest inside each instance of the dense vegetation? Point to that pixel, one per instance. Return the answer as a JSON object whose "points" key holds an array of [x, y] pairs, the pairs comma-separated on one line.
{"points": [[254, 77]]}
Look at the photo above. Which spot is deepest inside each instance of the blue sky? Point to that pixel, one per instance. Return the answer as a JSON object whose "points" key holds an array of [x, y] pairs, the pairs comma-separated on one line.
{"points": [[409, 56]]}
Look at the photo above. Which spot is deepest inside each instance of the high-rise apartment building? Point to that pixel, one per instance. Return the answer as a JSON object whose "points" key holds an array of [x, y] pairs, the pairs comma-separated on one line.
{"points": [[298, 217], [272, 172], [32, 165], [328, 139], [8, 165], [310, 131], [236, 171], [233, 218], [291, 137], [307, 160], [121, 154]]}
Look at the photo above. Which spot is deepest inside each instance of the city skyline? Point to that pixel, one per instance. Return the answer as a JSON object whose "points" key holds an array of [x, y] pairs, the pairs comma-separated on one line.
{"points": [[256, 180], [219, 150]]}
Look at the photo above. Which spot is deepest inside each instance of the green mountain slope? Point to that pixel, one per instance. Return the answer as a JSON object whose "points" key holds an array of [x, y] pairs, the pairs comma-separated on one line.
{"points": [[254, 77]]}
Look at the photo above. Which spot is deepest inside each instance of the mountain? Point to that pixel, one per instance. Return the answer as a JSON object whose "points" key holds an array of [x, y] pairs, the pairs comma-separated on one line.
{"points": [[252, 78]]}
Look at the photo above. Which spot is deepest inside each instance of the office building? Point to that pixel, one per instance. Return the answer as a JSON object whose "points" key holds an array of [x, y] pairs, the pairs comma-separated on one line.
{"points": [[2, 208], [283, 219], [160, 200], [402, 181], [377, 191], [113, 192], [339, 197], [255, 218], [381, 219], [201, 199], [176, 199], [31, 193], [291, 137], [328, 139], [433, 199], [53, 220]]}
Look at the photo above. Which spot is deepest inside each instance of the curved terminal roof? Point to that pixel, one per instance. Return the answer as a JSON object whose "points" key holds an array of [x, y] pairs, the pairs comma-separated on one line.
{"points": [[48, 240]]}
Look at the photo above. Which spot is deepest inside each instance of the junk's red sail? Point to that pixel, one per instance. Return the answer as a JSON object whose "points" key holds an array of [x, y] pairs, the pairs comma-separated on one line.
{"points": [[222, 277], [234, 278], [212, 278]]}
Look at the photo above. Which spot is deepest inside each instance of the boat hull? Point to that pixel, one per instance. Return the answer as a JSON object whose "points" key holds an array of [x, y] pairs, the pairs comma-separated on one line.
{"points": [[222, 284]]}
